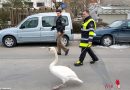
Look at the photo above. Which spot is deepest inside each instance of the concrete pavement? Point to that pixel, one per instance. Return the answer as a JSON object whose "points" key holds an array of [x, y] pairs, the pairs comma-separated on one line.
{"points": [[27, 68]]}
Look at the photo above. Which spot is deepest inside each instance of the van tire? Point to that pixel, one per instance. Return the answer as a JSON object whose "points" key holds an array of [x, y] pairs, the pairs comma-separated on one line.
{"points": [[65, 40], [9, 41]]}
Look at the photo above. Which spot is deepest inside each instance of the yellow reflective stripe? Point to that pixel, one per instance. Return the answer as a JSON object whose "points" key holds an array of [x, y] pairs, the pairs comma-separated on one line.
{"points": [[91, 33], [78, 62], [86, 23], [84, 44], [95, 25]]}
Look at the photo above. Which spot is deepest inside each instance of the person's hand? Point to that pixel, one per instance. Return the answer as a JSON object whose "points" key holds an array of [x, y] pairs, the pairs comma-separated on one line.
{"points": [[89, 44], [59, 33], [52, 28]]}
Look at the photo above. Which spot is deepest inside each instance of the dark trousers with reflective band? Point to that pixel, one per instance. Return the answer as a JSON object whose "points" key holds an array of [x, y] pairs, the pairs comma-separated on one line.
{"points": [[90, 52]]}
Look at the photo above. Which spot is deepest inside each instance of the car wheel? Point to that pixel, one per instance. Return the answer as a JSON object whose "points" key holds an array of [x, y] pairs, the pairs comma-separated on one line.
{"points": [[9, 41], [107, 41], [65, 40]]}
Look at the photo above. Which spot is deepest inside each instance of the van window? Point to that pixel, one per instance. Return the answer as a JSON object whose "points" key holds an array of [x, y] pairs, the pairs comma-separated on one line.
{"points": [[49, 21], [66, 20], [30, 23], [128, 24]]}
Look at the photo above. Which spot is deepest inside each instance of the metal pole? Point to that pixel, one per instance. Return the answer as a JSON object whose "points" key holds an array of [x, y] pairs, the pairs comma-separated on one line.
{"points": [[75, 7]]}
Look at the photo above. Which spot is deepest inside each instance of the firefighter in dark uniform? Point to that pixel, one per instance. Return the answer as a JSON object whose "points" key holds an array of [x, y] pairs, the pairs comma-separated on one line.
{"points": [[87, 34]]}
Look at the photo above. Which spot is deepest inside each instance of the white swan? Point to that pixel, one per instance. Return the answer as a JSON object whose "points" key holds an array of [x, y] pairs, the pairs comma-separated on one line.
{"points": [[62, 72]]}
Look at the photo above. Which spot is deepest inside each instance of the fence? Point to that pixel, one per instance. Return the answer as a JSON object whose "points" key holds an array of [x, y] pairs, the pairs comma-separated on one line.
{"points": [[16, 15]]}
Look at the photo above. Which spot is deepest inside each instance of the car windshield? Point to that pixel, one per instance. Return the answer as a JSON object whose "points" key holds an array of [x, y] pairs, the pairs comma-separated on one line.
{"points": [[19, 23], [116, 24]]}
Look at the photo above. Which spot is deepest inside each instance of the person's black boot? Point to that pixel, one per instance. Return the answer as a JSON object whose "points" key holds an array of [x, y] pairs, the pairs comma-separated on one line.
{"points": [[58, 53], [78, 63], [66, 53], [92, 62]]}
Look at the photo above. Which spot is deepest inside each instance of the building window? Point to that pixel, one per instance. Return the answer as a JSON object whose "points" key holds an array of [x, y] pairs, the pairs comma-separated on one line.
{"points": [[40, 4]]}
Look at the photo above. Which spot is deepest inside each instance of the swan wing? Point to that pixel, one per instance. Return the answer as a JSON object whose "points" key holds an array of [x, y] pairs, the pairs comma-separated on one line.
{"points": [[62, 71]]}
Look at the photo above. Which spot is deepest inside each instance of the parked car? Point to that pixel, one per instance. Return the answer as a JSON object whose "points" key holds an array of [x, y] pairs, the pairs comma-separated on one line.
{"points": [[118, 31], [36, 28]]}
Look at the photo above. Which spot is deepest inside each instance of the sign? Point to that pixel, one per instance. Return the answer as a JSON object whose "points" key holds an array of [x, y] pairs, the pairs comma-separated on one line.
{"points": [[63, 5], [58, 0]]}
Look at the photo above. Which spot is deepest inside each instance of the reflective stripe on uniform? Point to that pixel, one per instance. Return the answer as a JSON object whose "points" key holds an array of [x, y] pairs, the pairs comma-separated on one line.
{"points": [[84, 39], [84, 45], [90, 37], [86, 30], [86, 23], [91, 33]]}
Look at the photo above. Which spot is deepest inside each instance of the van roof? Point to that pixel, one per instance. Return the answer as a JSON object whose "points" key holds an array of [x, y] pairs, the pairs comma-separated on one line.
{"points": [[48, 14]]}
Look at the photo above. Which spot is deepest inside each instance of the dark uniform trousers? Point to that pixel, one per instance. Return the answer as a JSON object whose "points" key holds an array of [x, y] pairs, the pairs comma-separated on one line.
{"points": [[90, 52]]}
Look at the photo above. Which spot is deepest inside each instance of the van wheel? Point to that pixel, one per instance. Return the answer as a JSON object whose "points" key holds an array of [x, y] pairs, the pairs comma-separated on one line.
{"points": [[9, 41], [65, 40]]}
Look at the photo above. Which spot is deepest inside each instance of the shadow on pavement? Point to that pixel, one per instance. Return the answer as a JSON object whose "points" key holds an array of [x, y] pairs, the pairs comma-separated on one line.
{"points": [[101, 70]]}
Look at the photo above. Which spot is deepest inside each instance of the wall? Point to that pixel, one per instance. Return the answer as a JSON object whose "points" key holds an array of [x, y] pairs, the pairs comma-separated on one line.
{"points": [[110, 18], [128, 16], [115, 2]]}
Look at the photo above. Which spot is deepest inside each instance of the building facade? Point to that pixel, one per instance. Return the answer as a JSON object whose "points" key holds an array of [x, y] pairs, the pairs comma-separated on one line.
{"points": [[111, 10], [1, 1], [35, 3], [40, 3], [115, 2]]}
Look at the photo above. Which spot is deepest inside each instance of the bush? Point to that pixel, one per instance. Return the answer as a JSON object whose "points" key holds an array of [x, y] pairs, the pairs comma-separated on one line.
{"points": [[4, 16], [76, 27], [101, 24]]}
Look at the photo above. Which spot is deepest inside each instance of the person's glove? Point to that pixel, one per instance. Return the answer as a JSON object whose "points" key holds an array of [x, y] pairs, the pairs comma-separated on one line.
{"points": [[89, 44], [53, 27]]}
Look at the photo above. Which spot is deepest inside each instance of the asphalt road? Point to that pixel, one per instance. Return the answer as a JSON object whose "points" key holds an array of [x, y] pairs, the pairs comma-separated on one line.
{"points": [[26, 67]]}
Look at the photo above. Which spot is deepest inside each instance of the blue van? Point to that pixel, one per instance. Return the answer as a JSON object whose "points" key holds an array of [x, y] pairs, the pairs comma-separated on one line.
{"points": [[36, 28]]}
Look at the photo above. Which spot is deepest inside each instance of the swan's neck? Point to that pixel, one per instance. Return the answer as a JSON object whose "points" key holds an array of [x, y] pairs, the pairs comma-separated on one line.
{"points": [[55, 60]]}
